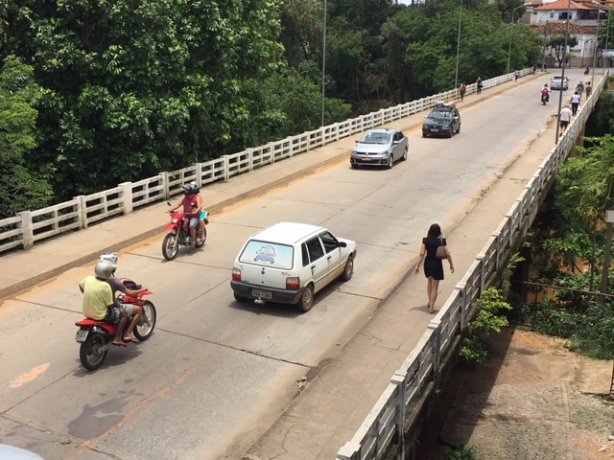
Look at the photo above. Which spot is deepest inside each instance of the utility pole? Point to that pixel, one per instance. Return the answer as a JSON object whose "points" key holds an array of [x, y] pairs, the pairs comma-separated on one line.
{"points": [[564, 63]]}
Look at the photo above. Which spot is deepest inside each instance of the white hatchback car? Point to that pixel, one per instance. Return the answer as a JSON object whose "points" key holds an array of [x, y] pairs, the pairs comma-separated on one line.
{"points": [[289, 262]]}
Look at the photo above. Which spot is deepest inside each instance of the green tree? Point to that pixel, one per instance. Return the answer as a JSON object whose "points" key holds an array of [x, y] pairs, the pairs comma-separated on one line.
{"points": [[557, 43], [569, 236], [601, 121], [23, 186], [132, 89], [488, 319], [431, 37]]}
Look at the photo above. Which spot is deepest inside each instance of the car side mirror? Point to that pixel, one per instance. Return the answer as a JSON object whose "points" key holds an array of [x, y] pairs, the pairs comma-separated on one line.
{"points": [[342, 244]]}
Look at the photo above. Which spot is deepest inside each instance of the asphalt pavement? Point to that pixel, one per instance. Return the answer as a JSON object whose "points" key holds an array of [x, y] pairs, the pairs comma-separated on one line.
{"points": [[23, 269]]}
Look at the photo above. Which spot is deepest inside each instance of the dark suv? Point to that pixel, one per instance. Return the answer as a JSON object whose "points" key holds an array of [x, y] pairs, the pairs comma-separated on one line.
{"points": [[444, 120]]}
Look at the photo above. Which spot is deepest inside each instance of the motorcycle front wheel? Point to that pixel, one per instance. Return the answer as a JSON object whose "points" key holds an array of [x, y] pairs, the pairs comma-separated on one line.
{"points": [[170, 246], [146, 325], [93, 352]]}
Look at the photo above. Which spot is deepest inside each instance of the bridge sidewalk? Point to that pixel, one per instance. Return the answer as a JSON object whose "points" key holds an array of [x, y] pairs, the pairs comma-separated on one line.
{"points": [[332, 407]]}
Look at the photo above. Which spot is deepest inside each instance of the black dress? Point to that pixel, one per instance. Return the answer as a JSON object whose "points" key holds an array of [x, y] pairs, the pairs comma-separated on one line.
{"points": [[432, 265]]}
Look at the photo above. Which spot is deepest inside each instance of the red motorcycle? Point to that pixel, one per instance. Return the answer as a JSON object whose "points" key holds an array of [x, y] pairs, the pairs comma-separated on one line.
{"points": [[96, 337], [179, 233]]}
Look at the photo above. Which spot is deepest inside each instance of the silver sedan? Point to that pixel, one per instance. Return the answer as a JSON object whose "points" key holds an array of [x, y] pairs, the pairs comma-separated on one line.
{"points": [[380, 147]]}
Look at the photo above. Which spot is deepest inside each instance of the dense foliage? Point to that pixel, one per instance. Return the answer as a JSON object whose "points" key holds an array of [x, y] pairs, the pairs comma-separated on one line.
{"points": [[24, 180], [489, 318], [125, 89], [569, 241]]}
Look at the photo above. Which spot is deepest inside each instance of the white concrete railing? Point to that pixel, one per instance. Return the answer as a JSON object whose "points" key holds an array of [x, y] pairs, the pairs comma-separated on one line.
{"points": [[28, 227], [408, 384]]}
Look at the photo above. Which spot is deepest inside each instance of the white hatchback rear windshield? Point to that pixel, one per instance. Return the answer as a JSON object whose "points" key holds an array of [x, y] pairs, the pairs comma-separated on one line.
{"points": [[268, 254]]}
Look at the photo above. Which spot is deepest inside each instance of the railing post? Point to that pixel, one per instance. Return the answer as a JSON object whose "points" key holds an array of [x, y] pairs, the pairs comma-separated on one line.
{"points": [[399, 381], [127, 204], [496, 236], [81, 211], [349, 451], [509, 218], [250, 159], [434, 327], [480, 258], [27, 232], [165, 185], [463, 301], [199, 174], [226, 167]]}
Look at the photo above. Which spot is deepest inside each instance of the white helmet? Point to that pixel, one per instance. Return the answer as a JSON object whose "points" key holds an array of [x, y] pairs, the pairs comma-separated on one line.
{"points": [[109, 257], [104, 270]]}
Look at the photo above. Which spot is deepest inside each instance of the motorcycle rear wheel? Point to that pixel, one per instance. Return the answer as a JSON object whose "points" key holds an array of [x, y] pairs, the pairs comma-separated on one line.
{"points": [[146, 325], [201, 238], [92, 352], [170, 246]]}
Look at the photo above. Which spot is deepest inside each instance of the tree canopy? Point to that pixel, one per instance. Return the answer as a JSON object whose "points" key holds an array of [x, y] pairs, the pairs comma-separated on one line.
{"points": [[130, 88]]}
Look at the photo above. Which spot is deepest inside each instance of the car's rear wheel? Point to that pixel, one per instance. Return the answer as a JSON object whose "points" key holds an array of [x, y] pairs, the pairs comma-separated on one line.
{"points": [[306, 301]]}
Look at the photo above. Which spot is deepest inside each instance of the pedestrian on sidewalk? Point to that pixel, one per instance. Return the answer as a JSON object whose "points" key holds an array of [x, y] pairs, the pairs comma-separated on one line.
{"points": [[462, 90], [478, 85], [575, 102], [588, 89], [564, 118], [433, 266]]}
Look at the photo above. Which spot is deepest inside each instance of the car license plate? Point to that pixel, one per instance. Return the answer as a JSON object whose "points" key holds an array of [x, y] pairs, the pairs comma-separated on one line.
{"points": [[367, 159], [435, 130], [81, 335], [262, 294]]}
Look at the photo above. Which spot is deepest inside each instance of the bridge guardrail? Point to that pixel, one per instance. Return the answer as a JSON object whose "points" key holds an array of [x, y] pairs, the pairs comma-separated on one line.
{"points": [[28, 227], [387, 419]]}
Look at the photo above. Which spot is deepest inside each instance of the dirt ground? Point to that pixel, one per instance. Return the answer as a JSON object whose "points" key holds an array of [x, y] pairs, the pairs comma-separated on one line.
{"points": [[531, 399]]}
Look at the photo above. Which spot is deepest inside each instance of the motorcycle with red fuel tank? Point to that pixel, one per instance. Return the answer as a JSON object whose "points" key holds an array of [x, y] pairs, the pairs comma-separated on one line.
{"points": [[179, 233], [96, 337]]}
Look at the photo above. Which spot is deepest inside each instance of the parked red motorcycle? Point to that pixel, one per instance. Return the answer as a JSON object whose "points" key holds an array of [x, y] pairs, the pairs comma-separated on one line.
{"points": [[96, 337], [179, 233]]}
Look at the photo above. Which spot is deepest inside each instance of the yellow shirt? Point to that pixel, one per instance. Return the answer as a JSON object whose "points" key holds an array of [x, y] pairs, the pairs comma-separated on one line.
{"points": [[97, 296]]}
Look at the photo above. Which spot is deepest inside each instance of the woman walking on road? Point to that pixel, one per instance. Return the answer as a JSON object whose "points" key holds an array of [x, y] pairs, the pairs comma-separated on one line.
{"points": [[433, 266]]}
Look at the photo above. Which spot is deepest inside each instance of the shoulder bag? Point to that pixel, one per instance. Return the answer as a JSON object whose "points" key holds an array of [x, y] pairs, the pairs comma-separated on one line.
{"points": [[441, 251]]}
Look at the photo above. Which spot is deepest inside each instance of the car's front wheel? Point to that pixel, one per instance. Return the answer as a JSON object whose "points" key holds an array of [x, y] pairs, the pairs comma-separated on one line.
{"points": [[390, 161], [348, 271], [404, 157]]}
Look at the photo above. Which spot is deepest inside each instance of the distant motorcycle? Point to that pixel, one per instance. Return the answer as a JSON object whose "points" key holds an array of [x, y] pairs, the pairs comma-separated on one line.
{"points": [[179, 233], [96, 337], [545, 97]]}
